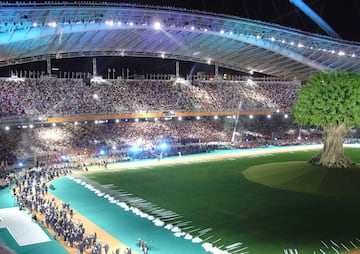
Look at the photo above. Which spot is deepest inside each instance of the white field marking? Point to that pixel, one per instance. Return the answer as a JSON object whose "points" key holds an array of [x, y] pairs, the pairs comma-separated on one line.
{"points": [[260, 155], [185, 223], [353, 244], [206, 230], [218, 240], [108, 186], [337, 252], [327, 247], [334, 243], [208, 238], [244, 248], [234, 245], [346, 248]]}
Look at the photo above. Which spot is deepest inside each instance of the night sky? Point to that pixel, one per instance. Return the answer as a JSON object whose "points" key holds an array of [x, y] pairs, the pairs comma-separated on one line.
{"points": [[342, 16]]}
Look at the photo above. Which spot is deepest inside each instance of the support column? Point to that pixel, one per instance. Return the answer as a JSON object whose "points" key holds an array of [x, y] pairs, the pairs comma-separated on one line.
{"points": [[48, 65], [94, 66], [216, 72], [177, 70]]}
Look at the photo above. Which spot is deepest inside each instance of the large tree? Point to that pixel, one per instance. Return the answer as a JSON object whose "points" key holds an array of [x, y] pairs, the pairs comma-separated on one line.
{"points": [[331, 101]]}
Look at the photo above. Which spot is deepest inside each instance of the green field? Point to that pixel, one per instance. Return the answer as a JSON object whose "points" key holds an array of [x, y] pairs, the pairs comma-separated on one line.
{"points": [[268, 216]]}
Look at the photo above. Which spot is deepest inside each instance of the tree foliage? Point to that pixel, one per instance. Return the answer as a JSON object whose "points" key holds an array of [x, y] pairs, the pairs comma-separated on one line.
{"points": [[329, 99]]}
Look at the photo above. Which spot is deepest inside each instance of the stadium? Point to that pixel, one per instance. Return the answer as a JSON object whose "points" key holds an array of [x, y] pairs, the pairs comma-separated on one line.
{"points": [[130, 128]]}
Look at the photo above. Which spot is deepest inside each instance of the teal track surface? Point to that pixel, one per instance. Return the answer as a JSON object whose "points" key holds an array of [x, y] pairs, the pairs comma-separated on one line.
{"points": [[123, 225]]}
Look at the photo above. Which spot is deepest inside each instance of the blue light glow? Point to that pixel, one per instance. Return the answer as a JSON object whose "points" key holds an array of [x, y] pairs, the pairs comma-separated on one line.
{"points": [[135, 148], [163, 146]]}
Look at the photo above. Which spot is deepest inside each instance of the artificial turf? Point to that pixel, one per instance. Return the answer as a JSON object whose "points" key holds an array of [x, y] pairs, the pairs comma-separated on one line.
{"points": [[304, 177], [265, 219]]}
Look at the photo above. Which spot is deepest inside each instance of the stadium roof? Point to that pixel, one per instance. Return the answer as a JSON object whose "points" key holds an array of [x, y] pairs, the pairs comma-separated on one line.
{"points": [[32, 32]]}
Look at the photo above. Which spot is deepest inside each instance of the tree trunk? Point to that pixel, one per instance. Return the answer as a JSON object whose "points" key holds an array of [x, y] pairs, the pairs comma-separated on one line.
{"points": [[332, 155]]}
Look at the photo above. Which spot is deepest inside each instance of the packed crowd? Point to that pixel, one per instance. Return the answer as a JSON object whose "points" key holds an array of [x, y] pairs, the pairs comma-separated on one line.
{"points": [[126, 140], [34, 97], [90, 137], [54, 97], [30, 187]]}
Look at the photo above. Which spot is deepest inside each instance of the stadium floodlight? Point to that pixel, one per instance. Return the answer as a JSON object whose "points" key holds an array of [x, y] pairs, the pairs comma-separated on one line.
{"points": [[109, 22], [52, 24], [157, 25]]}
